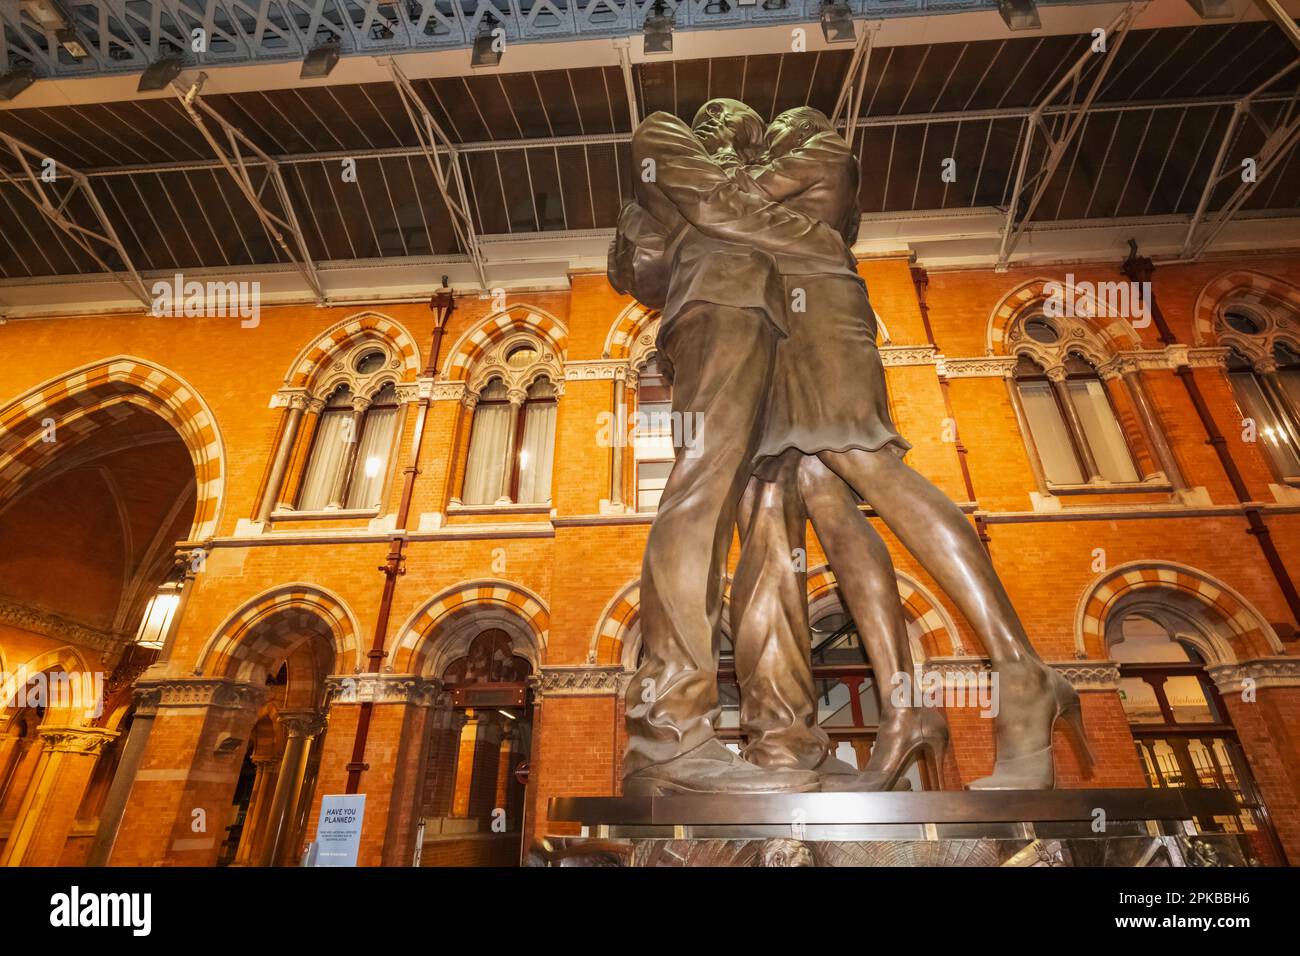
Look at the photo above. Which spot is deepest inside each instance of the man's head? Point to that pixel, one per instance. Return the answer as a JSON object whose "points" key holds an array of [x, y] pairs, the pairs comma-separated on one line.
{"points": [[795, 127], [723, 122]]}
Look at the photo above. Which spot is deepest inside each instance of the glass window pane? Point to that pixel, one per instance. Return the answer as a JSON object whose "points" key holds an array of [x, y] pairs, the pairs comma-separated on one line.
{"points": [[485, 468], [333, 433], [1105, 438], [371, 467], [1269, 432], [651, 477], [537, 453], [1048, 430]]}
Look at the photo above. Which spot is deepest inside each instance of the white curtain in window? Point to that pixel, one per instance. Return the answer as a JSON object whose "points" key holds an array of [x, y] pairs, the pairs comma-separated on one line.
{"points": [[537, 453], [1269, 431], [371, 467], [485, 469], [1050, 435], [327, 453], [1105, 437], [651, 478]]}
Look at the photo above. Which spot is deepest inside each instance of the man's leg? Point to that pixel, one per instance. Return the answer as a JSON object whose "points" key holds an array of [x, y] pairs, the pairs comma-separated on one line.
{"points": [[769, 626], [722, 361]]}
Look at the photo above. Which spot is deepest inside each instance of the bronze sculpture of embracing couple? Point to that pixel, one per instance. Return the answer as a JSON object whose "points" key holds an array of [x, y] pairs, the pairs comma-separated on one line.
{"points": [[741, 236]]}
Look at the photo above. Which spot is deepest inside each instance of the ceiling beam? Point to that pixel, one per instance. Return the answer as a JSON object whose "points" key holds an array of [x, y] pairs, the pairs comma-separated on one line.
{"points": [[232, 159], [444, 162], [1274, 11], [1280, 135], [40, 188], [1029, 188]]}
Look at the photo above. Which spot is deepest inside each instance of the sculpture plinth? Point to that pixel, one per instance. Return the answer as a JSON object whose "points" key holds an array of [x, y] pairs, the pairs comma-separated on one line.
{"points": [[1128, 827]]}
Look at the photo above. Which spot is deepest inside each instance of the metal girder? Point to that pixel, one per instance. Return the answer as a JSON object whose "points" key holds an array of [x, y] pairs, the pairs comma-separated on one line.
{"points": [[444, 162], [234, 163], [44, 195], [1280, 136], [1275, 12], [629, 86], [1029, 188], [848, 104], [124, 36]]}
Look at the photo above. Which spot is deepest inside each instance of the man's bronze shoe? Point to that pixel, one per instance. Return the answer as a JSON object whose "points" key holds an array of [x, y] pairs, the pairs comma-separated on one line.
{"points": [[712, 768]]}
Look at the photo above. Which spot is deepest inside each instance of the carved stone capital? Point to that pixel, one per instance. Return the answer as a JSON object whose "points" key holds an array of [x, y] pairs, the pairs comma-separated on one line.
{"points": [[596, 370], [86, 741], [1089, 675], [383, 689], [1056, 373], [894, 355], [448, 391], [1260, 673], [982, 366], [301, 723], [1203, 357], [582, 680], [407, 392], [187, 692]]}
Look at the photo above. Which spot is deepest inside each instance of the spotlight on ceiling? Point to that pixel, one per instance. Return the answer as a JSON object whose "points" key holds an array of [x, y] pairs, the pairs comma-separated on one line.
{"points": [[1212, 9], [1020, 14], [488, 45], [159, 73], [72, 44], [319, 61], [15, 81], [658, 31], [837, 22]]}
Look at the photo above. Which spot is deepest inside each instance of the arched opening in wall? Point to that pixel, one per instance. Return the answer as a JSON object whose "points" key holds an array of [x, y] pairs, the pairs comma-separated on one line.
{"points": [[1180, 725], [291, 652], [102, 474], [477, 750]]}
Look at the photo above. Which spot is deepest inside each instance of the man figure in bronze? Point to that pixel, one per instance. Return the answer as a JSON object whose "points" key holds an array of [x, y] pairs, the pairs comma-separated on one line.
{"points": [[827, 401]]}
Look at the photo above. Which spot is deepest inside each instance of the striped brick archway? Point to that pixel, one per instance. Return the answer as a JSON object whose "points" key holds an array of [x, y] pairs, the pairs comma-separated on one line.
{"points": [[79, 400], [631, 322], [315, 359], [440, 629], [475, 343], [67, 659], [618, 626], [260, 635], [1118, 335], [1246, 632], [1239, 284], [929, 628]]}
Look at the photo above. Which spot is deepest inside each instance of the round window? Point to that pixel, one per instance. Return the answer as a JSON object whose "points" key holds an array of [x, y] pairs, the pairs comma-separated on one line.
{"points": [[521, 356], [1242, 322], [368, 362], [1040, 330]]}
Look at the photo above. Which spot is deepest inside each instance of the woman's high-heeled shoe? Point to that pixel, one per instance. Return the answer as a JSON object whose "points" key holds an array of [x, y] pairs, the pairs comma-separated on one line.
{"points": [[1021, 721], [911, 733]]}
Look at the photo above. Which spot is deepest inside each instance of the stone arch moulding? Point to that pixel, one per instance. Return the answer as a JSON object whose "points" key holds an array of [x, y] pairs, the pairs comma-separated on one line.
{"points": [[1115, 336], [440, 630], [1229, 615], [314, 360], [478, 340], [622, 337], [68, 659], [240, 644], [1251, 288], [618, 628], [74, 398], [927, 620]]}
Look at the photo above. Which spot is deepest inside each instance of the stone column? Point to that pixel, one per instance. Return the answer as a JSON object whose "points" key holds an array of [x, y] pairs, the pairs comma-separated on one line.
{"points": [[1090, 470], [259, 806], [292, 417], [1150, 422], [182, 798], [300, 728], [517, 398], [301, 448], [505, 764], [49, 807], [618, 438], [343, 480]]}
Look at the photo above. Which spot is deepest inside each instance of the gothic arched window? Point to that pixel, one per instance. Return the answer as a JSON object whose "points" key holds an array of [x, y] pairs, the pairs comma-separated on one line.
{"points": [[1264, 369]]}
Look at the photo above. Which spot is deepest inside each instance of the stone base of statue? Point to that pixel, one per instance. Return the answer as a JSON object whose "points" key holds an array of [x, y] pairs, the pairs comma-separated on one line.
{"points": [[1110, 828]]}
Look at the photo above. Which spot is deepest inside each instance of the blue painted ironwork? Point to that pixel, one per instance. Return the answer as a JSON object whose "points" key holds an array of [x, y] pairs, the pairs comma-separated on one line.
{"points": [[124, 36]]}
